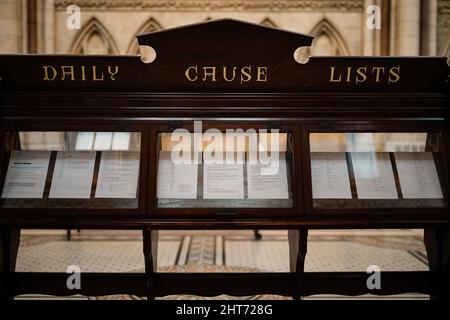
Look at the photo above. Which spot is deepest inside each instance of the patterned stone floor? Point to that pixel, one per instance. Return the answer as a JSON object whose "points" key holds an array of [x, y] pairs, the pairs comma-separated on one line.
{"points": [[234, 251]]}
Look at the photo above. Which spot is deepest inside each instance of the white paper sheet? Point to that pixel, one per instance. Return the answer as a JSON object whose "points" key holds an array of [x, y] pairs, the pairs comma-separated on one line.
{"points": [[72, 176], [118, 175], [373, 175], [268, 186], [26, 175], [223, 181], [330, 178], [121, 141], [176, 181], [418, 175], [84, 141]]}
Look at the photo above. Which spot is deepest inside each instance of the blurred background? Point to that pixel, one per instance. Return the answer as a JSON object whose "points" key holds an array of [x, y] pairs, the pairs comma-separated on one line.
{"points": [[408, 27]]}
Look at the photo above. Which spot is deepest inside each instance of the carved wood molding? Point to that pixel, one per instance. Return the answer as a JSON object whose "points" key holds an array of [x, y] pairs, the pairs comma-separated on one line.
{"points": [[228, 5]]}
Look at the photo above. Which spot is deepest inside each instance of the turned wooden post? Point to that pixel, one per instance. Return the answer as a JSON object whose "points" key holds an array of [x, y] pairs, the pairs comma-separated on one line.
{"points": [[150, 238], [298, 240]]}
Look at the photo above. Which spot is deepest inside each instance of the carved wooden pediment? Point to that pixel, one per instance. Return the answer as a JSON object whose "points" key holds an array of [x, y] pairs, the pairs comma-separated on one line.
{"points": [[234, 41]]}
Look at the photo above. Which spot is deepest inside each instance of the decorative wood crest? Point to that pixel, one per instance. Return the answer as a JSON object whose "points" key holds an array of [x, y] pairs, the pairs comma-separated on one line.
{"points": [[225, 41]]}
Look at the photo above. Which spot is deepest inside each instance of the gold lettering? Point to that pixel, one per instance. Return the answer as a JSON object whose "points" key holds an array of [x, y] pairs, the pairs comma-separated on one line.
{"points": [[377, 71], [332, 79], [83, 73], [225, 74], [395, 72], [349, 73], [363, 75], [94, 74], [67, 70], [261, 74], [113, 74], [246, 74], [187, 73], [209, 72], [46, 75]]}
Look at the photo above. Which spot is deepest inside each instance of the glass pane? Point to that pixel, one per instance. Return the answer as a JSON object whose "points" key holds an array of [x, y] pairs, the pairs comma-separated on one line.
{"points": [[71, 170], [377, 170], [231, 169]]}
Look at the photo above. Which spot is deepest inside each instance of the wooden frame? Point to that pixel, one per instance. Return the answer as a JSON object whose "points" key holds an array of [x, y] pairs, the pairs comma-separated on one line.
{"points": [[68, 126], [389, 126], [232, 212]]}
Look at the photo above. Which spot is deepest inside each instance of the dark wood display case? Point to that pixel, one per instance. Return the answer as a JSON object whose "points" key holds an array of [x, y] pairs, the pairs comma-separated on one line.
{"points": [[227, 74]]}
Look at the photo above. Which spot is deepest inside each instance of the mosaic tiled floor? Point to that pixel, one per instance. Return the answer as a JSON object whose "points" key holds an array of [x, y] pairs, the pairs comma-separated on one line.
{"points": [[95, 251]]}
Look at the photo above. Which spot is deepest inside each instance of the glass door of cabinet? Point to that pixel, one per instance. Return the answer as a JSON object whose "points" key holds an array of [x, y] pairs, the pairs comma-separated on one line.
{"points": [[377, 170], [225, 166], [71, 169]]}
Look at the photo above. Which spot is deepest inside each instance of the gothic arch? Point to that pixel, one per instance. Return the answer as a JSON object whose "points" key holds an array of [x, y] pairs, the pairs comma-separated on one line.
{"points": [[327, 40], [94, 38], [150, 25], [268, 23]]}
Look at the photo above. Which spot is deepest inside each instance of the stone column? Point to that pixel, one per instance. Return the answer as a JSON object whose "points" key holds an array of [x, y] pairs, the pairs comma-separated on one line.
{"points": [[369, 35], [372, 37], [49, 26], [407, 27], [45, 26], [392, 28], [428, 39], [10, 26]]}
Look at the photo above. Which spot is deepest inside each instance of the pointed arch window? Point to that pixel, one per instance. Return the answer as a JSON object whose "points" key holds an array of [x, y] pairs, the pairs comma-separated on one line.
{"points": [[327, 40], [151, 25], [94, 38], [269, 23]]}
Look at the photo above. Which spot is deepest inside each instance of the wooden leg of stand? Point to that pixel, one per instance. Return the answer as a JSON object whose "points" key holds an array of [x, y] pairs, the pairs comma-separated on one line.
{"points": [[150, 238], [9, 247], [297, 254], [437, 244]]}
